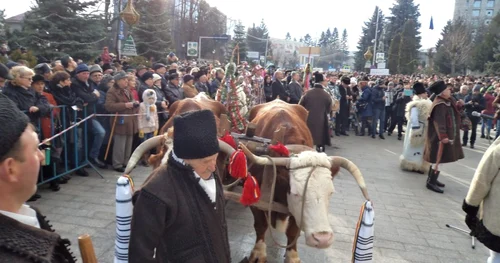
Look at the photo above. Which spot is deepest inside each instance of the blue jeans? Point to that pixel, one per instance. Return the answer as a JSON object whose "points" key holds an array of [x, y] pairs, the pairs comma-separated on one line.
{"points": [[378, 115], [98, 133], [147, 136], [498, 129], [489, 123]]}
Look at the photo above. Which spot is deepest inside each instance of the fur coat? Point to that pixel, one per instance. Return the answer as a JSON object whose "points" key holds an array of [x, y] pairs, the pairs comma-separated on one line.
{"points": [[319, 104], [417, 113], [484, 192], [444, 122]]}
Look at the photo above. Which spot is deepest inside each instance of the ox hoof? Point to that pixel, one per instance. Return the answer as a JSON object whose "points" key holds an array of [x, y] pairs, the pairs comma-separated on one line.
{"points": [[292, 256], [259, 254]]}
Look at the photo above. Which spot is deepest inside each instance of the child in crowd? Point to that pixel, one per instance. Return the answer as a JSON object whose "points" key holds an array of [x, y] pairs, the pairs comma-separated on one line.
{"points": [[147, 119]]}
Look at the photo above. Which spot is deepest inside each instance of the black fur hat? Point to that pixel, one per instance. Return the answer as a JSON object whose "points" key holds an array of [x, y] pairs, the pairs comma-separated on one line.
{"points": [[437, 87], [195, 135], [419, 88], [17, 123]]}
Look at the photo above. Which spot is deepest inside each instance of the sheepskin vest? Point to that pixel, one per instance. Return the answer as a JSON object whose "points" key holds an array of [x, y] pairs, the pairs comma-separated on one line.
{"points": [[424, 108]]}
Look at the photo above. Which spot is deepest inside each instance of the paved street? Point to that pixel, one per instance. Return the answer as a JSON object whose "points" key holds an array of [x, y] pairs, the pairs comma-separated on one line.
{"points": [[409, 226]]}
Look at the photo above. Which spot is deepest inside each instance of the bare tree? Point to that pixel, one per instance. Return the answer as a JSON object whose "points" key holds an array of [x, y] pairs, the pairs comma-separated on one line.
{"points": [[457, 44]]}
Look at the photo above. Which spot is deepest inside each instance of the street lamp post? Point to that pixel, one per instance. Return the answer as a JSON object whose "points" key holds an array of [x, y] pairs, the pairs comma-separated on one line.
{"points": [[375, 42]]}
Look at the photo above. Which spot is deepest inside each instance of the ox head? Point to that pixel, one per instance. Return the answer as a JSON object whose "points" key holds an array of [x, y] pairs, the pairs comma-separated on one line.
{"points": [[166, 143], [311, 187]]}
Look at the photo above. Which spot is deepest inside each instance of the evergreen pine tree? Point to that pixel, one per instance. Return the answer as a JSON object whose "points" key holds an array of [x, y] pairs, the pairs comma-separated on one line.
{"points": [[344, 46], [56, 27], [3, 33], [335, 41], [308, 40], [288, 36], [368, 34], [401, 12], [152, 34], [408, 54], [255, 36], [322, 40], [393, 55], [240, 40]]}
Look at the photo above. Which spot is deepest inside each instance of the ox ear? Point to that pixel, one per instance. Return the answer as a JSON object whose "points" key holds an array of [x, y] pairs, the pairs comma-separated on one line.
{"points": [[335, 170]]}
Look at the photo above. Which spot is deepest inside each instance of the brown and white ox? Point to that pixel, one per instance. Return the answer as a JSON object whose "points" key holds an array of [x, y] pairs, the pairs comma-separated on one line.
{"points": [[292, 174], [164, 144]]}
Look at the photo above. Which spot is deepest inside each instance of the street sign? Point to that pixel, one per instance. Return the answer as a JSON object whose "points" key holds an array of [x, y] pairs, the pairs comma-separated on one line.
{"points": [[129, 47], [253, 54], [380, 58], [368, 64], [192, 49], [222, 37], [381, 65], [379, 72]]}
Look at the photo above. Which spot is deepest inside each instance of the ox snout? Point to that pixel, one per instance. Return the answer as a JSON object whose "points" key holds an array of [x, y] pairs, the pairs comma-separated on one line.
{"points": [[320, 239]]}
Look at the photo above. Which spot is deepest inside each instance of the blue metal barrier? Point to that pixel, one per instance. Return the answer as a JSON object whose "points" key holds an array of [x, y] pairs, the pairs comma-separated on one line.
{"points": [[67, 146]]}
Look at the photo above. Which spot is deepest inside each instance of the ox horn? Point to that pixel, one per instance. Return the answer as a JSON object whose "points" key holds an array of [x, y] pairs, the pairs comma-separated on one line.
{"points": [[298, 148], [149, 144], [279, 161], [226, 148], [354, 170]]}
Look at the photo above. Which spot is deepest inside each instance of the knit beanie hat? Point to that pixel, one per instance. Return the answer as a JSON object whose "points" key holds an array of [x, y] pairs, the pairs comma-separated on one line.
{"points": [[195, 135], [95, 68], [156, 77], [81, 68], [147, 75], [18, 121]]}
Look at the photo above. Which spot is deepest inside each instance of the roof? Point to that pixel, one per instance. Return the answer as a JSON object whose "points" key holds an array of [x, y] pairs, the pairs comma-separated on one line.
{"points": [[16, 19]]}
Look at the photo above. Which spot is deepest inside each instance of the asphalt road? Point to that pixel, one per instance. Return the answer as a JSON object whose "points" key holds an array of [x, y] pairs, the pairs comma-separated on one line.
{"points": [[410, 221]]}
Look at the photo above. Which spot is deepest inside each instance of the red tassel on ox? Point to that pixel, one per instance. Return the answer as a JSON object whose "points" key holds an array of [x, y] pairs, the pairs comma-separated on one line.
{"points": [[238, 164], [227, 138], [280, 149], [251, 191]]}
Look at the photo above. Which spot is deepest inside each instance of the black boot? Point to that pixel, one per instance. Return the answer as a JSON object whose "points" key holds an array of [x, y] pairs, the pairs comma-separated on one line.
{"points": [[431, 171], [431, 181]]}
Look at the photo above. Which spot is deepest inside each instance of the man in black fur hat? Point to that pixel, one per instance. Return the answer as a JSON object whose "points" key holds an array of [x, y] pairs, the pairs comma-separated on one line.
{"points": [[443, 143], [25, 234], [179, 212], [319, 104]]}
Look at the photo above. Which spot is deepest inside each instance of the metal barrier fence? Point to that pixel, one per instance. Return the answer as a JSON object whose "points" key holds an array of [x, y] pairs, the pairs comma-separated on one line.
{"points": [[66, 142]]}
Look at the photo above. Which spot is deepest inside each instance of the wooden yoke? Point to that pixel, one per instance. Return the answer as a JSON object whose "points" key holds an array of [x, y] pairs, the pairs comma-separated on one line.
{"points": [[86, 249]]}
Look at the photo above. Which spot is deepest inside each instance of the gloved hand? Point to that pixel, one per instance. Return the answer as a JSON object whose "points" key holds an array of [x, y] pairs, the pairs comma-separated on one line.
{"points": [[155, 132], [141, 134], [471, 218]]}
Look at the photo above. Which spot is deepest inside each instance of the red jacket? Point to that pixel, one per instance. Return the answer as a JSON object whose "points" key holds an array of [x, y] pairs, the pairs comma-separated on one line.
{"points": [[490, 108]]}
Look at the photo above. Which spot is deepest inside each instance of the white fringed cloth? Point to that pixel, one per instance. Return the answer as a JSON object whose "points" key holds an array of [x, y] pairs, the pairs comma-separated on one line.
{"points": [[362, 250], [124, 209]]}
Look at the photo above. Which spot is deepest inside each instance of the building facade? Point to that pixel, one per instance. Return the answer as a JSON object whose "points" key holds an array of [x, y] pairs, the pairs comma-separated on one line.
{"points": [[477, 12]]}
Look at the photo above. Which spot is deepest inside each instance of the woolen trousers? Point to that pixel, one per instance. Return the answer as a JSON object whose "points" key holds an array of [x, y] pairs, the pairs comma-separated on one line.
{"points": [[122, 148]]}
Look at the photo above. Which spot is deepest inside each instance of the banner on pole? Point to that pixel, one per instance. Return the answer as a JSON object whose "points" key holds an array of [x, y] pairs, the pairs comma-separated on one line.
{"points": [[192, 49], [129, 47]]}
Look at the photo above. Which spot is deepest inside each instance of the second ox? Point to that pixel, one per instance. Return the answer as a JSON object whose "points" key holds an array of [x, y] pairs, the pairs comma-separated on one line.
{"points": [[308, 212]]}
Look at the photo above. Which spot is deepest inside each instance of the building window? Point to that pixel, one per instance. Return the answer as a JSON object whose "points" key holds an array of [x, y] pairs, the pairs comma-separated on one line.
{"points": [[477, 4], [487, 22], [475, 13], [489, 12], [491, 3]]}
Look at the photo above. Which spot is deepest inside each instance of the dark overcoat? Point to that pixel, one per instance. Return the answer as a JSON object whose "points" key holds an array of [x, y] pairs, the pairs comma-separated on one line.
{"points": [[319, 104], [444, 122], [175, 220]]}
